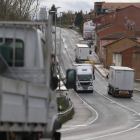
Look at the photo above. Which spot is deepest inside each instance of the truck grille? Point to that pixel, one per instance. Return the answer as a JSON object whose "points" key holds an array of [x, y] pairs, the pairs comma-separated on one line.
{"points": [[87, 83]]}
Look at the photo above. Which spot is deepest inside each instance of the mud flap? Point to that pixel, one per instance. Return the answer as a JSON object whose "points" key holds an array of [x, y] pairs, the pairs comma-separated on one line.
{"points": [[57, 135]]}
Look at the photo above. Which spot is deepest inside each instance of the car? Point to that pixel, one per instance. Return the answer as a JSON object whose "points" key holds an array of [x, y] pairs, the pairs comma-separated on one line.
{"points": [[70, 27], [53, 30]]}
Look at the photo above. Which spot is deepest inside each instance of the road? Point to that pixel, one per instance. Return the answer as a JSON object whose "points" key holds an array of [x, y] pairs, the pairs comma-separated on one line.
{"points": [[116, 118]]}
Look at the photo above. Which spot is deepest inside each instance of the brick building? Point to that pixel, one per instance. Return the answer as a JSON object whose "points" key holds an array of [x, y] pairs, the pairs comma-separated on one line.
{"points": [[123, 55], [109, 39], [108, 49], [127, 17], [136, 63], [111, 30]]}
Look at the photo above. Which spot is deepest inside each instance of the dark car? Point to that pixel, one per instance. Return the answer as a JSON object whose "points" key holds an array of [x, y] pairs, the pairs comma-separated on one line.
{"points": [[70, 27]]}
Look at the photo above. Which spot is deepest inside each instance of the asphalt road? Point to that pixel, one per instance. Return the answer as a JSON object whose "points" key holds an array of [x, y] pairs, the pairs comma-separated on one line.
{"points": [[116, 118]]}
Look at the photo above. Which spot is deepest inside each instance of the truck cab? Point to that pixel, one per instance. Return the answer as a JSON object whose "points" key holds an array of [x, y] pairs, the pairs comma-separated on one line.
{"points": [[84, 78]]}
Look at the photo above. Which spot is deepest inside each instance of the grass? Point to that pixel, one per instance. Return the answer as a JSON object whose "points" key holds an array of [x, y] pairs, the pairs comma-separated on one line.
{"points": [[61, 102]]}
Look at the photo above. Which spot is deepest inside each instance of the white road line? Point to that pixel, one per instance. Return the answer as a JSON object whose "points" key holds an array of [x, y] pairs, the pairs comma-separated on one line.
{"points": [[77, 126], [111, 134]]}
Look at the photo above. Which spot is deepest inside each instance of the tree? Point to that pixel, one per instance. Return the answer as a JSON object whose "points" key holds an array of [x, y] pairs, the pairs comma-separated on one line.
{"points": [[18, 9], [79, 19]]}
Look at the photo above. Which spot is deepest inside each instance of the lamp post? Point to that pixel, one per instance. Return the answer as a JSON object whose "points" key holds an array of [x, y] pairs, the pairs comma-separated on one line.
{"points": [[60, 50], [55, 40], [55, 67]]}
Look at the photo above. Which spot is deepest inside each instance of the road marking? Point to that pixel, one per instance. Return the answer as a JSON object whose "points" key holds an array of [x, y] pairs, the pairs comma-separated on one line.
{"points": [[77, 126], [111, 134]]}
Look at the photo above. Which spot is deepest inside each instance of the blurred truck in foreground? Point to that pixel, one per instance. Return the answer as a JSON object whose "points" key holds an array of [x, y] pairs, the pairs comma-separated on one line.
{"points": [[121, 81], [28, 108]]}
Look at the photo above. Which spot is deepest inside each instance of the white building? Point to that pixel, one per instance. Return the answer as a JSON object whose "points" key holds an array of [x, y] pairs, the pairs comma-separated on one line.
{"points": [[43, 13]]}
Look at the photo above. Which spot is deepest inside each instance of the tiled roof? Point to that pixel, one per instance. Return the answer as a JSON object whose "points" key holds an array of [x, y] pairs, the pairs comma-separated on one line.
{"points": [[118, 40], [72, 16], [113, 6], [86, 16], [137, 51], [121, 49], [117, 36]]}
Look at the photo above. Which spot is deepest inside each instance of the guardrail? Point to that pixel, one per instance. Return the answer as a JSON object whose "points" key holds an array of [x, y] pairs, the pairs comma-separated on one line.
{"points": [[67, 114]]}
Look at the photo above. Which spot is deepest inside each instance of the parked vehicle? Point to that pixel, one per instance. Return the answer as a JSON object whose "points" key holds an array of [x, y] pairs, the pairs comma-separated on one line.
{"points": [[82, 52], [27, 89], [53, 30], [70, 27], [121, 81], [84, 77]]}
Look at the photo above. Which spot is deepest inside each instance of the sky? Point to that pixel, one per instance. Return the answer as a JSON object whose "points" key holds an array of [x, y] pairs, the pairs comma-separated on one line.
{"points": [[76, 5]]}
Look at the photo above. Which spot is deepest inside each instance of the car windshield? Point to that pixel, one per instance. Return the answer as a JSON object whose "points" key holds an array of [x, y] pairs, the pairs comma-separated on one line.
{"points": [[84, 77]]}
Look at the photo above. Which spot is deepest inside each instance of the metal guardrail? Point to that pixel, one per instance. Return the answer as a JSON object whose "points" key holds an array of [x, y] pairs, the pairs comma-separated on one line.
{"points": [[67, 114]]}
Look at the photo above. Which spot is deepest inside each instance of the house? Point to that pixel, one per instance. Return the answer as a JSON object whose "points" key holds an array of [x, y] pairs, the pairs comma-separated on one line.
{"points": [[109, 48], [109, 39], [105, 8], [136, 63], [123, 55], [127, 17], [109, 31]]}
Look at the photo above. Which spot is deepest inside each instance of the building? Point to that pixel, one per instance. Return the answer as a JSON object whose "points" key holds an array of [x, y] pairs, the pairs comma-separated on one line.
{"points": [[110, 39], [136, 63], [105, 8], [109, 48], [112, 29], [43, 13], [123, 55], [127, 17]]}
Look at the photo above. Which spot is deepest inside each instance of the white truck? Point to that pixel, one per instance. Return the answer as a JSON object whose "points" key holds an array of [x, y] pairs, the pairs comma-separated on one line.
{"points": [[28, 108], [84, 77], [121, 81], [82, 52]]}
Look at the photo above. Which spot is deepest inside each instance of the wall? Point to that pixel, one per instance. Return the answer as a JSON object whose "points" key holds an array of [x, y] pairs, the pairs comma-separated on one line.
{"points": [[117, 59], [127, 57], [116, 45], [136, 64]]}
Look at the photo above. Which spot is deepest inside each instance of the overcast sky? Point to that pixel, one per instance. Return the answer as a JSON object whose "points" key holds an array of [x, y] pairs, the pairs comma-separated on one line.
{"points": [[76, 5]]}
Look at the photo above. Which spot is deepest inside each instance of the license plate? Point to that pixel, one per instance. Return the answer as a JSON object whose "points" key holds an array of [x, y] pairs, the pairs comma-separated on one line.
{"points": [[123, 92]]}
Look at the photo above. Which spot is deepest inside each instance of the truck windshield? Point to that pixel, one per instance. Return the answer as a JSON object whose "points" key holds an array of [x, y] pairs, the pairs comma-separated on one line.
{"points": [[84, 77]]}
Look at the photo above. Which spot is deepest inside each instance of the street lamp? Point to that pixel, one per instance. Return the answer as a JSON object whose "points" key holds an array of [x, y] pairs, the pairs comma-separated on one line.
{"points": [[60, 49], [55, 68], [55, 39]]}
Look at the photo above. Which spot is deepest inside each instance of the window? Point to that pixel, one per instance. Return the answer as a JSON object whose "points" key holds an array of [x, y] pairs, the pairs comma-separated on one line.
{"points": [[19, 52], [0, 41]]}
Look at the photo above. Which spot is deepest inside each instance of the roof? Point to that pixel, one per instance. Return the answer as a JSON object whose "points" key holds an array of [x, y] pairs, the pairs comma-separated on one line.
{"points": [[136, 51], [84, 70], [114, 6], [86, 16], [82, 45], [121, 68], [117, 36], [72, 16], [121, 49], [118, 40]]}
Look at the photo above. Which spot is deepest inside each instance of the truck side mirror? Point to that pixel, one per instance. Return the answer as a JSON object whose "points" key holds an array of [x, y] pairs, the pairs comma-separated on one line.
{"points": [[70, 78]]}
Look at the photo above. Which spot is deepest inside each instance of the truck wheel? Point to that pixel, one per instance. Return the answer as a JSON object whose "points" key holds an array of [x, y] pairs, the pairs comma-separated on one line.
{"points": [[108, 90], [113, 93]]}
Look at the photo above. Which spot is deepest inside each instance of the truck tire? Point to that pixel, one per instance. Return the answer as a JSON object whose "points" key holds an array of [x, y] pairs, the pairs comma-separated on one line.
{"points": [[113, 93], [108, 90]]}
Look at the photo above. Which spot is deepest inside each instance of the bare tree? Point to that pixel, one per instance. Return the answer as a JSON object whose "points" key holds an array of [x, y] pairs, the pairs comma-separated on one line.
{"points": [[18, 9]]}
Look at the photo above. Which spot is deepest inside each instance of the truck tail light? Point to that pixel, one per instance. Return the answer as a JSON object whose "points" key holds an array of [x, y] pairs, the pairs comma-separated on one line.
{"points": [[116, 91], [131, 91]]}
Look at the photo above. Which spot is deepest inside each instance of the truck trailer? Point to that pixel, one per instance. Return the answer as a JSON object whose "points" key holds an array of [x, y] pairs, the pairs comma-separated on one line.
{"points": [[82, 52], [121, 81], [28, 107]]}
